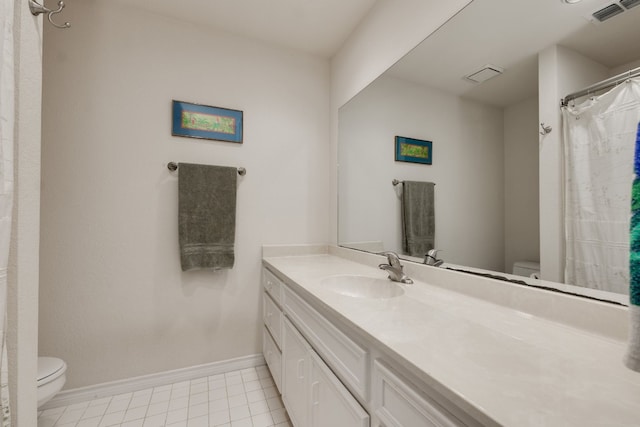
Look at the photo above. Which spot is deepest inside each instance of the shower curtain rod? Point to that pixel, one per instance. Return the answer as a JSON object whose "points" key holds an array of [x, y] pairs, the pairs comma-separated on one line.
{"points": [[605, 84]]}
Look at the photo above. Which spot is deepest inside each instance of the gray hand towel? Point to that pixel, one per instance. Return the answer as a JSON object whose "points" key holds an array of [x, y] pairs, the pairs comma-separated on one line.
{"points": [[206, 216], [418, 217]]}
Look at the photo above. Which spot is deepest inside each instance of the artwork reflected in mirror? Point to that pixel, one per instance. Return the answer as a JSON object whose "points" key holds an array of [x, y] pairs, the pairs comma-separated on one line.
{"points": [[482, 95]]}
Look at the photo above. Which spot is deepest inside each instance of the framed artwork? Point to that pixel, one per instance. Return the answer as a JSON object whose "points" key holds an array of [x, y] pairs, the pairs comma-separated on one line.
{"points": [[413, 150], [203, 121]]}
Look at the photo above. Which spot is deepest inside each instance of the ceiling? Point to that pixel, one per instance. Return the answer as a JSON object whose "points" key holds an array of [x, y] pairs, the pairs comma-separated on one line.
{"points": [[319, 27], [509, 34]]}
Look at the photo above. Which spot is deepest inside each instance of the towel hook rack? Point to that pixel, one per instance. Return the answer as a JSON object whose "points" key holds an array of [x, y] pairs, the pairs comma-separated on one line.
{"points": [[37, 9], [173, 166]]}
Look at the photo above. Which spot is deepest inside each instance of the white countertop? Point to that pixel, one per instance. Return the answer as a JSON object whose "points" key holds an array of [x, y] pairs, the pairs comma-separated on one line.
{"points": [[494, 362]]}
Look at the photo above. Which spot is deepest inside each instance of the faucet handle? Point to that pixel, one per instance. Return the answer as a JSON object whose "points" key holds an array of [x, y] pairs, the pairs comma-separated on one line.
{"points": [[393, 259], [433, 252], [431, 258]]}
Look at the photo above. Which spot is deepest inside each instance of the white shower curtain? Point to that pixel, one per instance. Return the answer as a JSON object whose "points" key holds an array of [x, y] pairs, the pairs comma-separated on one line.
{"points": [[599, 142], [7, 114]]}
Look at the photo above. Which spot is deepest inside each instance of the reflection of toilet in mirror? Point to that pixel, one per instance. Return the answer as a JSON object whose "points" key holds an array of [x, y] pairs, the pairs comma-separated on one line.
{"points": [[527, 269], [51, 378]]}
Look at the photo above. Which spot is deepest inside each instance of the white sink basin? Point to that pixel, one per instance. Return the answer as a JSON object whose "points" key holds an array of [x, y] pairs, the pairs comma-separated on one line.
{"points": [[362, 286]]}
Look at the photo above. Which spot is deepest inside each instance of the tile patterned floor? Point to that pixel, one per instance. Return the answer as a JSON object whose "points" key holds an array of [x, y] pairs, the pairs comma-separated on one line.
{"points": [[245, 398]]}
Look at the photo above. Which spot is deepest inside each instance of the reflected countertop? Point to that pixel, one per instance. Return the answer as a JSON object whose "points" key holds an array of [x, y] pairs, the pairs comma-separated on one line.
{"points": [[500, 365]]}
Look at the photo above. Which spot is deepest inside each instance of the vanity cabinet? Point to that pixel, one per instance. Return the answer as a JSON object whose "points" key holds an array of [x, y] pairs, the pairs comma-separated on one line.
{"points": [[328, 379], [272, 331], [311, 392]]}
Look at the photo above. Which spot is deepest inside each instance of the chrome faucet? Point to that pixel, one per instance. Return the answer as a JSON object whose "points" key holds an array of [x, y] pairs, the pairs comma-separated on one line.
{"points": [[394, 268], [431, 258]]}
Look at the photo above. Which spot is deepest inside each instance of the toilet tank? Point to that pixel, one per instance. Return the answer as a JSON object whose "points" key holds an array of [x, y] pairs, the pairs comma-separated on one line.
{"points": [[526, 268]]}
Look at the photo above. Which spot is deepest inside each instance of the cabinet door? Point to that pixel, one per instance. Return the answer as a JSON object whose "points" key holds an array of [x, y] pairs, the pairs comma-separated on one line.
{"points": [[295, 368], [331, 403]]}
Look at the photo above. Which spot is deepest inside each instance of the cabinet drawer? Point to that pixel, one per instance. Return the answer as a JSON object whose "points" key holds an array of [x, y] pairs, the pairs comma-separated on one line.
{"points": [[273, 357], [331, 403], [272, 316], [397, 404], [272, 285], [348, 359]]}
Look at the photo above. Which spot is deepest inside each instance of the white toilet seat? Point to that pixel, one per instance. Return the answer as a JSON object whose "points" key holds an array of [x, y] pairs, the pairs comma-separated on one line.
{"points": [[50, 368]]}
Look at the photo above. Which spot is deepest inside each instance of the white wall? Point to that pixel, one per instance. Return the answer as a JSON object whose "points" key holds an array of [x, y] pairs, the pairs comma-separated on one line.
{"points": [[522, 216], [561, 71], [468, 169], [114, 302], [22, 297]]}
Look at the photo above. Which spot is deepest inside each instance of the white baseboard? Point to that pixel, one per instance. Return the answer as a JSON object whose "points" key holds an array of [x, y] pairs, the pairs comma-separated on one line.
{"points": [[98, 391]]}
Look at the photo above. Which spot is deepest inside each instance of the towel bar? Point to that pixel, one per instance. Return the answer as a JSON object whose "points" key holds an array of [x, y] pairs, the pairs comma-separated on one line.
{"points": [[173, 166], [396, 182]]}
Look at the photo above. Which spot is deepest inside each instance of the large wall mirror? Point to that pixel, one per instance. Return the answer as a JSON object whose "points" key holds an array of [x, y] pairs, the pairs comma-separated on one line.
{"points": [[485, 136]]}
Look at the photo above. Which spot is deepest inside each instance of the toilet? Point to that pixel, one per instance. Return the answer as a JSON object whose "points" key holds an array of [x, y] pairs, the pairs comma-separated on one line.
{"points": [[51, 378], [527, 269]]}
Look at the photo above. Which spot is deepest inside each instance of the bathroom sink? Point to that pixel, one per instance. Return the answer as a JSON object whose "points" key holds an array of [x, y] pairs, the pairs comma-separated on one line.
{"points": [[362, 286]]}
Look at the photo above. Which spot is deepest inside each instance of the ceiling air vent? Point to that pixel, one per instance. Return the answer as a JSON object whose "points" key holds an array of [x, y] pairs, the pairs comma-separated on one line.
{"points": [[607, 12], [485, 73], [630, 3]]}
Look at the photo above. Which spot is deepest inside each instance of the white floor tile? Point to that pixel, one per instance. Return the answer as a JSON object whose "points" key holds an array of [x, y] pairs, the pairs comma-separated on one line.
{"points": [[279, 416], [198, 422], [95, 411], [218, 405], [275, 403], [215, 384], [160, 396], [118, 406], [233, 390], [256, 396], [155, 421], [270, 392], [196, 411], [252, 385], [242, 423], [219, 417], [218, 393], [70, 416], [262, 420], [178, 403], [260, 407], [180, 392], [177, 415], [158, 408], [199, 398], [244, 398], [198, 388], [89, 422], [238, 400], [112, 419], [239, 412], [135, 413]]}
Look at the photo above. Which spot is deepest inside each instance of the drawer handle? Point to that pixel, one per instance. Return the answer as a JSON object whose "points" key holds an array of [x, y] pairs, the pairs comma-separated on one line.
{"points": [[269, 285], [301, 369], [315, 389]]}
